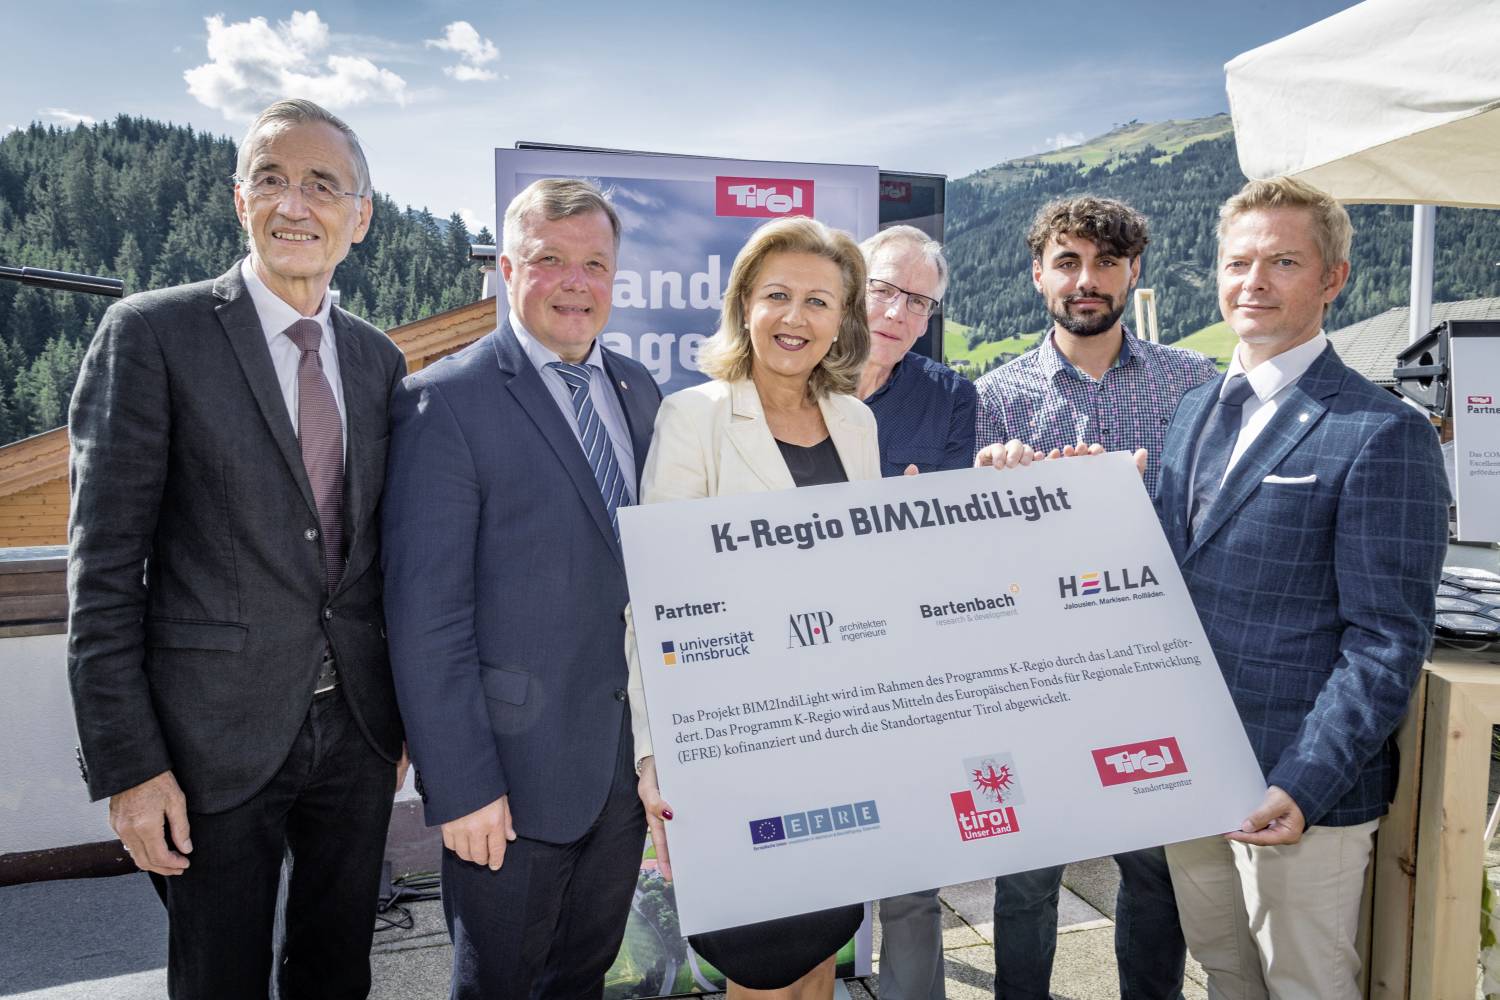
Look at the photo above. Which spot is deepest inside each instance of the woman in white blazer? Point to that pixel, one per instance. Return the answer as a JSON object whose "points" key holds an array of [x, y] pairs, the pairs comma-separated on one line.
{"points": [[779, 413]]}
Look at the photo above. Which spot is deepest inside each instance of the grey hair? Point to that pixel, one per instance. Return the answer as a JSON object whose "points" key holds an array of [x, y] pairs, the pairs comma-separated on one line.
{"points": [[555, 198], [292, 111], [930, 248]]}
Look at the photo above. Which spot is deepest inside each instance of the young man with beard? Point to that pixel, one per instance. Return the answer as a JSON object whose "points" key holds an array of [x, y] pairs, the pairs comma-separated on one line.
{"points": [[1090, 380]]}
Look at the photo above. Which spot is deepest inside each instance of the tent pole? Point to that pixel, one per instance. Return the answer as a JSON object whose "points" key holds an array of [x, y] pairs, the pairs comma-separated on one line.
{"points": [[1423, 228]]}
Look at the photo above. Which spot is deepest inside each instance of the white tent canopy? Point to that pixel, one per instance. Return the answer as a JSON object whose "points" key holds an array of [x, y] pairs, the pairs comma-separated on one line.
{"points": [[1394, 101]]}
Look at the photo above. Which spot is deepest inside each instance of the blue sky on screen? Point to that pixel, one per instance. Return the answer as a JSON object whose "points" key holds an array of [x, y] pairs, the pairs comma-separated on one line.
{"points": [[432, 87]]}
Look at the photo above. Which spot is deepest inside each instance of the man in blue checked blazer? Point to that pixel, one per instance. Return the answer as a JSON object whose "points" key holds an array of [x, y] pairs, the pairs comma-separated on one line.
{"points": [[505, 609], [1308, 509]]}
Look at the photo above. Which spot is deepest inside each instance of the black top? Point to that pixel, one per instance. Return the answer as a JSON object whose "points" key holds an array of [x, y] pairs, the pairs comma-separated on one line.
{"points": [[814, 465]]}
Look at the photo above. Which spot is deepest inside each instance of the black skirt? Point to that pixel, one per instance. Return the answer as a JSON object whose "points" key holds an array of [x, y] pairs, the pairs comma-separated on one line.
{"points": [[774, 954]]}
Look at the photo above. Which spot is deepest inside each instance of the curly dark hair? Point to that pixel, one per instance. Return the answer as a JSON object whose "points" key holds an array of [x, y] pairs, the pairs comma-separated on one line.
{"points": [[1111, 225]]}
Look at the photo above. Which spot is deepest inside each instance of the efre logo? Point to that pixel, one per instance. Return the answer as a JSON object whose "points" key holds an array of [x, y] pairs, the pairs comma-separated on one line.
{"points": [[762, 197], [1138, 761], [808, 628]]}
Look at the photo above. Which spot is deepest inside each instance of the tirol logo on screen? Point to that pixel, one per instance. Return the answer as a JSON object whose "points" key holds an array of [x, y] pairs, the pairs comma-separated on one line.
{"points": [[895, 191], [1139, 761], [762, 197], [987, 806]]}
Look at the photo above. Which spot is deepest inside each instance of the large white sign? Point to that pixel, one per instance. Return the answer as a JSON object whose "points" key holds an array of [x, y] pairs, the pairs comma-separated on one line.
{"points": [[872, 688], [1474, 360]]}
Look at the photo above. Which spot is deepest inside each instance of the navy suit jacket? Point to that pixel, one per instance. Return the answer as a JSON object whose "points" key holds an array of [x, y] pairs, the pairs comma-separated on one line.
{"points": [[506, 589], [1317, 596]]}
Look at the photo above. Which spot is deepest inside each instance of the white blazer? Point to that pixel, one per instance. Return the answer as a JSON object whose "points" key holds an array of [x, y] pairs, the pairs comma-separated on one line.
{"points": [[713, 440]]}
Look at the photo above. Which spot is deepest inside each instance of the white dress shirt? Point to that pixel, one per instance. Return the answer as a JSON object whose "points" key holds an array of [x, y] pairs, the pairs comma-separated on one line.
{"points": [[601, 394], [275, 317], [1269, 380]]}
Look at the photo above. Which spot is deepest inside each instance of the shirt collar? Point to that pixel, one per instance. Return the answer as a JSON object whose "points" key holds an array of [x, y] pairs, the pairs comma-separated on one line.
{"points": [[540, 355], [895, 374], [274, 312], [1053, 361], [1273, 375]]}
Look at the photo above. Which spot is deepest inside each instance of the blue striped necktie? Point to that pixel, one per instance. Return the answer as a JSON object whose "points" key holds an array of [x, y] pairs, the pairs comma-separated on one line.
{"points": [[597, 446]]}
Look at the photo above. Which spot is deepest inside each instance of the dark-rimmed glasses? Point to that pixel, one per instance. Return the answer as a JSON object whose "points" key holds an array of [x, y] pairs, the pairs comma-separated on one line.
{"points": [[885, 293]]}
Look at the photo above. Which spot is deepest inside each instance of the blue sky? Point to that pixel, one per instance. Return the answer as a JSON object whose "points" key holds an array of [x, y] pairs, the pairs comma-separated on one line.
{"points": [[432, 87]]}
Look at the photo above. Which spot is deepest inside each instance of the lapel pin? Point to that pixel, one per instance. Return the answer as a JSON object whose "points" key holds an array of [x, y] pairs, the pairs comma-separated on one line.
{"points": [[626, 385], [1302, 419]]}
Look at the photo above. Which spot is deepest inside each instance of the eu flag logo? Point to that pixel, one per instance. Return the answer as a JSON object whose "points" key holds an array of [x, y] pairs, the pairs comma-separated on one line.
{"points": [[764, 831]]}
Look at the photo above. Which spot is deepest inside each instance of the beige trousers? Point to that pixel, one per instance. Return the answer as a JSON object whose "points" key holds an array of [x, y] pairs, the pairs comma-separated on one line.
{"points": [[1275, 923]]}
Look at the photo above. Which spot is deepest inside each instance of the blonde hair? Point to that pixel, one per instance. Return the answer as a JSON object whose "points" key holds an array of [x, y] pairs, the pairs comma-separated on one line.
{"points": [[1332, 229], [728, 356], [554, 198]]}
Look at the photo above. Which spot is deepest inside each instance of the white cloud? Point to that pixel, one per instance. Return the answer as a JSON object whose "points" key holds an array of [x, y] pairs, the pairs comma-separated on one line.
{"points": [[251, 63], [62, 116], [1063, 140], [473, 51], [474, 222]]}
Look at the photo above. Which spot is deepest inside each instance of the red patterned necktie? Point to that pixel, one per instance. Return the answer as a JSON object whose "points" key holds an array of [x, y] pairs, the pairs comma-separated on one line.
{"points": [[322, 439]]}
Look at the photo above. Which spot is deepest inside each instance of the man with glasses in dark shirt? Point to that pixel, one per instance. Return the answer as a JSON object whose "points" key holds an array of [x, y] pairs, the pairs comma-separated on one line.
{"points": [[925, 409], [1089, 380], [925, 417]]}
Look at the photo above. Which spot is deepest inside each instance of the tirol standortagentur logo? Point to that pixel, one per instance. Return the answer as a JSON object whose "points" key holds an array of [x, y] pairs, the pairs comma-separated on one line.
{"points": [[762, 197], [814, 824], [987, 806], [1139, 761]]}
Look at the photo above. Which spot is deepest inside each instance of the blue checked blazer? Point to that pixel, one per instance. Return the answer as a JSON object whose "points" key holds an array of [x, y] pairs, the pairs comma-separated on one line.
{"points": [[1317, 597]]}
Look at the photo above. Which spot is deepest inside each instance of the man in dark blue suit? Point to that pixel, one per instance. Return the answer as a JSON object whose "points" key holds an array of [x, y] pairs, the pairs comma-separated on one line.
{"points": [[505, 609], [1309, 512]]}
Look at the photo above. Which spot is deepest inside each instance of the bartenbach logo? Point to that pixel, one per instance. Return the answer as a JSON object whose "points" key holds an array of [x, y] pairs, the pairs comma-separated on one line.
{"points": [[814, 824], [1113, 586], [987, 807], [1139, 761], [808, 628]]}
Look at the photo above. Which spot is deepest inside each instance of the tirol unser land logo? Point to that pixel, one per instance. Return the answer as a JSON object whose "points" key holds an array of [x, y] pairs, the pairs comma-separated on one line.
{"points": [[987, 805], [1139, 761], [762, 197]]}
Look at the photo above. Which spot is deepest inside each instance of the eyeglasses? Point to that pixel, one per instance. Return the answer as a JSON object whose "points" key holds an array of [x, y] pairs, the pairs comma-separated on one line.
{"points": [[275, 187], [885, 293]]}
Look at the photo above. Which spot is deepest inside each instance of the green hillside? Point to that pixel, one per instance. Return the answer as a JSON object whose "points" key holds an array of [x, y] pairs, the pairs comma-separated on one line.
{"points": [[1216, 340], [979, 359], [1165, 139]]}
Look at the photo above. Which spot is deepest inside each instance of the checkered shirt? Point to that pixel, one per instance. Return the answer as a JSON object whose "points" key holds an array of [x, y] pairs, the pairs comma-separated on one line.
{"points": [[1045, 401]]}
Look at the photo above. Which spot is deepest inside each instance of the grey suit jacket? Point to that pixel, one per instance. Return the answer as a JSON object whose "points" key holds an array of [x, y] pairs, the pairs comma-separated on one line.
{"points": [[197, 610]]}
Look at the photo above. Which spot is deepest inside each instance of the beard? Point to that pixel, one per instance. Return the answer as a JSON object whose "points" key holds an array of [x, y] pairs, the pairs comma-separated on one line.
{"points": [[1088, 325]]}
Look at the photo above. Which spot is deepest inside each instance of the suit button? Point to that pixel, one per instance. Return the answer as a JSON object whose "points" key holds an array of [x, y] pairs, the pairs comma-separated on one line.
{"points": [[620, 694], [311, 534], [328, 614]]}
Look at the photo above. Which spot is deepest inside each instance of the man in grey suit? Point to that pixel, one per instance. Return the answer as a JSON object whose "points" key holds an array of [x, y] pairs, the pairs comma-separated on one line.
{"points": [[226, 645]]}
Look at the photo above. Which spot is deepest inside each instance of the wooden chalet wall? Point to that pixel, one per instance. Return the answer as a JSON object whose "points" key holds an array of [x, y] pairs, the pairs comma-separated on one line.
{"points": [[34, 472]]}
